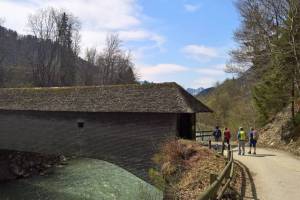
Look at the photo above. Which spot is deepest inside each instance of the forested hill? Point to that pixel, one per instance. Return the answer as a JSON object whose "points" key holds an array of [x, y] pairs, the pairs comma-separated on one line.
{"points": [[13, 57], [17, 57], [50, 56], [232, 103]]}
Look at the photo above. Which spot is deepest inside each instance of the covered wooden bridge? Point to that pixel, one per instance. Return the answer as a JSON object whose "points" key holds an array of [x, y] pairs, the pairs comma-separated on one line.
{"points": [[122, 124]]}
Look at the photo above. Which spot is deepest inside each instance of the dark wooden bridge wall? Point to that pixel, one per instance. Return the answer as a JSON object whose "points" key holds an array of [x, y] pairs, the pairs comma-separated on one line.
{"points": [[126, 139]]}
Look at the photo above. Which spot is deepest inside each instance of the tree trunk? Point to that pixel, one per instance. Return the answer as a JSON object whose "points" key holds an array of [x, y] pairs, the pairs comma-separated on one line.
{"points": [[293, 100]]}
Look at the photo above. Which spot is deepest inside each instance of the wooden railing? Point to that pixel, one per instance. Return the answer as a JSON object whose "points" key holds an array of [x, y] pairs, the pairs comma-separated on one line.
{"points": [[204, 134], [219, 183]]}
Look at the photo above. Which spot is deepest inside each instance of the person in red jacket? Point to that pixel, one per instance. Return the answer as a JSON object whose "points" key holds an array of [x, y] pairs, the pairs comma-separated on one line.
{"points": [[227, 137]]}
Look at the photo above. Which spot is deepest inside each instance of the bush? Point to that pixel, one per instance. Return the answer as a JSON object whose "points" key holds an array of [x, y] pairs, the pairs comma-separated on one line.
{"points": [[297, 119], [183, 168], [157, 179]]}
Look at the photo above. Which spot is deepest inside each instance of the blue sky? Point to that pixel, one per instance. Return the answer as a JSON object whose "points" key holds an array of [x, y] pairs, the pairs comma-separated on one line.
{"points": [[185, 41]]}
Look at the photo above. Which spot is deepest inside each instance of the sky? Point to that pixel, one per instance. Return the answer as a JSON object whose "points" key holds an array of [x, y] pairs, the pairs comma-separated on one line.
{"points": [[183, 41]]}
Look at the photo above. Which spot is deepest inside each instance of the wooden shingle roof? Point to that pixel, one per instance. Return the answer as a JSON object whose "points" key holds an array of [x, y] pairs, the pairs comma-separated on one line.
{"points": [[155, 98]]}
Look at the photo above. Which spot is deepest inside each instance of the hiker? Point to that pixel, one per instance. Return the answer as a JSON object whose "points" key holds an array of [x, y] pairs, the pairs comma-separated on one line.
{"points": [[217, 134], [252, 140], [227, 137], [241, 138]]}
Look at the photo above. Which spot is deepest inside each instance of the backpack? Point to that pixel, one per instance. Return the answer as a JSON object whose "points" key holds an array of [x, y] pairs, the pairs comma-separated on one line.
{"points": [[227, 134], [254, 135], [217, 133], [242, 135]]}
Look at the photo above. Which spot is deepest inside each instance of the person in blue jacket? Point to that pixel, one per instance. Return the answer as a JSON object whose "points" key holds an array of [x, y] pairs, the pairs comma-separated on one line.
{"points": [[253, 136], [217, 135]]}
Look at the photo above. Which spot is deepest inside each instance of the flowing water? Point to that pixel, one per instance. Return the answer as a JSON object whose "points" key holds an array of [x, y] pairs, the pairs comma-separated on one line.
{"points": [[79, 180]]}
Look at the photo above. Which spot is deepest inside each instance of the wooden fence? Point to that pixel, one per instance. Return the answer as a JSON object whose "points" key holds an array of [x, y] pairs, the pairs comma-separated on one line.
{"points": [[205, 136], [219, 183]]}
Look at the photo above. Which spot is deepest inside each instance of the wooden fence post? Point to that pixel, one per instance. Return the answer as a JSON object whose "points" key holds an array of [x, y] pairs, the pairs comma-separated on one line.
{"points": [[221, 181], [228, 155], [212, 178], [223, 147]]}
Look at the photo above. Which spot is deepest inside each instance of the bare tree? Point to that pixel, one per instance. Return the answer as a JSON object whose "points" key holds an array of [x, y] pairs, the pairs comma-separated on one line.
{"points": [[115, 65], [261, 23], [58, 46], [2, 20], [88, 71], [91, 55], [43, 26]]}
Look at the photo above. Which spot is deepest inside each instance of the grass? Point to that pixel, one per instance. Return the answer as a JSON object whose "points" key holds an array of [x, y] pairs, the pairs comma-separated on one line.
{"points": [[184, 168]]}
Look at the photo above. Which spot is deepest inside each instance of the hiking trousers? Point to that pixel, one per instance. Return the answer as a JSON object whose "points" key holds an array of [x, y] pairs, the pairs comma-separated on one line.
{"points": [[241, 147]]}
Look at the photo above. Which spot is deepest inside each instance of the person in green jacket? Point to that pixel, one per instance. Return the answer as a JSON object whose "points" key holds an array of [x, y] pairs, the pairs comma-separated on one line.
{"points": [[242, 140]]}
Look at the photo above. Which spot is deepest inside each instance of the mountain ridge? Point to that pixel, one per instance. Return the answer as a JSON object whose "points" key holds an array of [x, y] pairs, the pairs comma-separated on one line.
{"points": [[199, 91]]}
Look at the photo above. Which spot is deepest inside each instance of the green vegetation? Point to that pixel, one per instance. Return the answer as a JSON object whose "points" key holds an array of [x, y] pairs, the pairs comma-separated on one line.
{"points": [[267, 64], [233, 106], [279, 85], [184, 168]]}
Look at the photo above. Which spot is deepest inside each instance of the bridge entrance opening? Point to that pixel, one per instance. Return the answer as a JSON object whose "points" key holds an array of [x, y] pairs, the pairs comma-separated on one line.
{"points": [[186, 126]]}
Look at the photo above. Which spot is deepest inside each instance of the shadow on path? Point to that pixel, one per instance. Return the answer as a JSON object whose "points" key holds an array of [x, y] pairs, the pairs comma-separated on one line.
{"points": [[254, 155], [260, 155], [248, 189]]}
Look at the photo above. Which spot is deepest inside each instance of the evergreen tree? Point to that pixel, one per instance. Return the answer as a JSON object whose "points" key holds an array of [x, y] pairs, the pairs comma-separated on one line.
{"points": [[66, 54], [271, 94], [279, 83]]}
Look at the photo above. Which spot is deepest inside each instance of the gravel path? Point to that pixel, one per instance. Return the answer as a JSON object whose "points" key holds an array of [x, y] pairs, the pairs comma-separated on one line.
{"points": [[276, 174]]}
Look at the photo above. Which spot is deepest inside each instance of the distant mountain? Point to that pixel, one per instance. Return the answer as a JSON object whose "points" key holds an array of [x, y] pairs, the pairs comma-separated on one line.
{"points": [[231, 102], [194, 92], [206, 91]]}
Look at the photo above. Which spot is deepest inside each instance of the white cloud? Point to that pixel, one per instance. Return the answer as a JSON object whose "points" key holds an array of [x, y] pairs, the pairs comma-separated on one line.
{"points": [[98, 17], [103, 14], [139, 35], [139, 53], [157, 72], [191, 7], [204, 82], [203, 76], [162, 69], [220, 66], [15, 14], [210, 72], [200, 52], [210, 75], [94, 39], [215, 70]]}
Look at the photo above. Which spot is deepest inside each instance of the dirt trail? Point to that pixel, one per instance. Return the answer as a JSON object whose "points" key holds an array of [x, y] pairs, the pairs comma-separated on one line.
{"points": [[276, 174]]}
